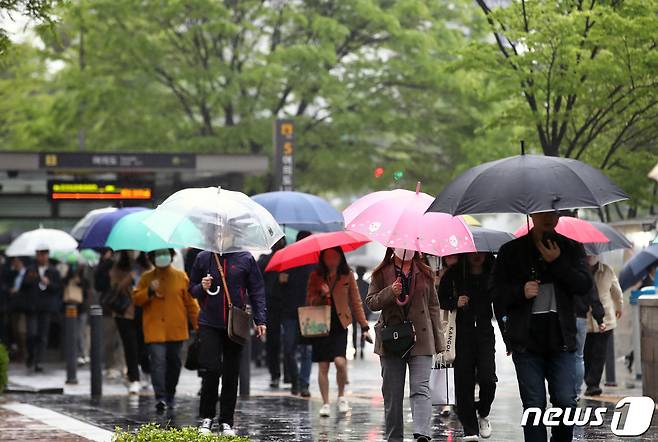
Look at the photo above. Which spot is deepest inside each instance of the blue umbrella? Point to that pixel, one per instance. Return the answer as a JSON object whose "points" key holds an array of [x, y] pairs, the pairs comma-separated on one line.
{"points": [[636, 268], [301, 211], [96, 236]]}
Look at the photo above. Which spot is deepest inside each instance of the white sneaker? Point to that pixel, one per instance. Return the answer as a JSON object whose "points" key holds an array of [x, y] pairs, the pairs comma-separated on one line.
{"points": [[325, 410], [445, 411], [343, 405], [485, 427], [226, 430], [206, 426], [146, 381], [470, 438], [134, 388]]}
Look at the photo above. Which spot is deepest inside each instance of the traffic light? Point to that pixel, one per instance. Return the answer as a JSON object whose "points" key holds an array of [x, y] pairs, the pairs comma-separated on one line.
{"points": [[379, 171], [397, 175]]}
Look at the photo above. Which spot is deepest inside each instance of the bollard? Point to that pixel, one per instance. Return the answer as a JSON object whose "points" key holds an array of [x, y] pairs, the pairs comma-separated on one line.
{"points": [[245, 369], [71, 343], [610, 360], [649, 343], [96, 350]]}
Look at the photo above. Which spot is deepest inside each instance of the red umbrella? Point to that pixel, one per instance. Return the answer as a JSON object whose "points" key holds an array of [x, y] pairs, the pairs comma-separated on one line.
{"points": [[307, 251], [574, 228]]}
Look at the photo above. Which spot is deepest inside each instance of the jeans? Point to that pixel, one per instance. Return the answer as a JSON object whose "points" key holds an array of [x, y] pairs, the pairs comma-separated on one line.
{"points": [[300, 375], [596, 350], [218, 357], [532, 370], [38, 329], [165, 369], [128, 332], [581, 333], [394, 371]]}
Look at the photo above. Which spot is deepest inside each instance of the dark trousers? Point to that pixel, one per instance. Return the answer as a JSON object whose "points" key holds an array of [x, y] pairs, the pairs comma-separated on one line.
{"points": [[165, 369], [474, 362], [4, 329], [273, 344], [218, 357], [596, 349], [38, 329], [299, 374], [128, 333], [142, 349], [532, 370]]}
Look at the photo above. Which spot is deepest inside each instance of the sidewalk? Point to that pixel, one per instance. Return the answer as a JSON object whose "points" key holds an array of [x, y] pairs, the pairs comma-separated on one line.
{"points": [[273, 415]]}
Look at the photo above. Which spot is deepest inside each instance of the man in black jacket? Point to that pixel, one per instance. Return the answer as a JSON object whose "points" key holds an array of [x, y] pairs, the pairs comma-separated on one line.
{"points": [[43, 291], [536, 278]]}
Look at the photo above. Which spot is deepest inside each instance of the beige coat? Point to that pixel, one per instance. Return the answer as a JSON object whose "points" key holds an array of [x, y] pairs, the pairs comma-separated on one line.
{"points": [[424, 311], [610, 295]]}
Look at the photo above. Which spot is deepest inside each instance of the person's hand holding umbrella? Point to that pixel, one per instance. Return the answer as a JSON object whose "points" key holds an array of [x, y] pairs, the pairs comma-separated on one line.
{"points": [[462, 301]]}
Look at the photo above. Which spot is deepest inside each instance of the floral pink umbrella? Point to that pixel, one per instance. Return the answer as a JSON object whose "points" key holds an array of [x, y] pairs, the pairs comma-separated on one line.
{"points": [[397, 218]]}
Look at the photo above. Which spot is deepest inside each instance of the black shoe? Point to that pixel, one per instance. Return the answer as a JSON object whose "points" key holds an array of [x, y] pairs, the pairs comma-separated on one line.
{"points": [[294, 390], [421, 438], [161, 406], [274, 383], [593, 391], [305, 393], [38, 369]]}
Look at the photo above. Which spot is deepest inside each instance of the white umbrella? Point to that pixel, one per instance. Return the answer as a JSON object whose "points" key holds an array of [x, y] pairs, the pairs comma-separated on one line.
{"points": [[228, 221], [53, 240]]}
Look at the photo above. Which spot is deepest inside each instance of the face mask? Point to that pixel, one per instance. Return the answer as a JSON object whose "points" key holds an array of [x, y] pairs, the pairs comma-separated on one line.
{"points": [[593, 260], [162, 260], [404, 254]]}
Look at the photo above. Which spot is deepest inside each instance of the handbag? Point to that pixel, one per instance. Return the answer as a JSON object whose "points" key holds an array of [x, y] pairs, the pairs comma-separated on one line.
{"points": [[450, 322], [399, 339], [192, 358], [315, 320], [114, 301], [239, 321], [72, 292], [442, 382]]}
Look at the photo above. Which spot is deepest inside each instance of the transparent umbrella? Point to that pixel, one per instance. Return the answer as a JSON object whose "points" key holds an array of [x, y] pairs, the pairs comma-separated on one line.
{"points": [[228, 221], [53, 240]]}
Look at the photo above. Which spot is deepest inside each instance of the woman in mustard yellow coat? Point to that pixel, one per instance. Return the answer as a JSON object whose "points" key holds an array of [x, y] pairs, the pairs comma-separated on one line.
{"points": [[168, 311]]}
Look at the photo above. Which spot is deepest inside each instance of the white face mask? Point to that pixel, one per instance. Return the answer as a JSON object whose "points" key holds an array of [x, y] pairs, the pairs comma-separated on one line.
{"points": [[162, 260], [404, 254]]}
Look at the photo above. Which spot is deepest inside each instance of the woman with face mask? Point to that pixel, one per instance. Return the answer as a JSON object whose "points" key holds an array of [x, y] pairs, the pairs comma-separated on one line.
{"points": [[402, 288], [168, 308], [333, 284]]}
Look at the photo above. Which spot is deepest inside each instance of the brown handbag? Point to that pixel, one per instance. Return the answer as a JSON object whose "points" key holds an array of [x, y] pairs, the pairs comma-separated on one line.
{"points": [[239, 321]]}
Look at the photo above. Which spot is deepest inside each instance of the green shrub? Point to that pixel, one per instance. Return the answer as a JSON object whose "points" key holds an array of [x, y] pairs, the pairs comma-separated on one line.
{"points": [[154, 433], [4, 367]]}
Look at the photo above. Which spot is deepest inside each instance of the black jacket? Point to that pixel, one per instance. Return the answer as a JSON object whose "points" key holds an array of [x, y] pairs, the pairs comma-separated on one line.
{"points": [[39, 298], [570, 275], [591, 300]]}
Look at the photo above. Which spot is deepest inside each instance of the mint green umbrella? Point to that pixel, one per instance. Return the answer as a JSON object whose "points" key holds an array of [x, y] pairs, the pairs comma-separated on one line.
{"points": [[130, 233]]}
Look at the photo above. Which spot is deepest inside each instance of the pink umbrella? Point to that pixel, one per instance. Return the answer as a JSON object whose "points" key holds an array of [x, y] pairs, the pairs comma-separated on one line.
{"points": [[397, 218], [307, 251], [574, 228]]}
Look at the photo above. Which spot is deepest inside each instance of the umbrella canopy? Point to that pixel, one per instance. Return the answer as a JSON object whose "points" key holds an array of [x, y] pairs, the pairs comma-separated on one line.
{"points": [[397, 218], [307, 251], [28, 243], [616, 240], [527, 184], [227, 221], [85, 256], [489, 240], [96, 236], [573, 228], [81, 227], [301, 211], [130, 233], [636, 268]]}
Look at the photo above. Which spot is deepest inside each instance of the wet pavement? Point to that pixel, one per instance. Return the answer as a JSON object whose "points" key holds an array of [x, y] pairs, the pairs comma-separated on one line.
{"points": [[275, 415]]}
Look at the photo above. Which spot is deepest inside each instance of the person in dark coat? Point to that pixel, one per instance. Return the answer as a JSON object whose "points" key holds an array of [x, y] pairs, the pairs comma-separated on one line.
{"points": [[468, 288], [537, 277], [273, 295], [42, 288], [362, 285], [219, 356]]}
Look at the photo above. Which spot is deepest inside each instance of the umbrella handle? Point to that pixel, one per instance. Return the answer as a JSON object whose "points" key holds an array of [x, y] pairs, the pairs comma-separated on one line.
{"points": [[213, 292]]}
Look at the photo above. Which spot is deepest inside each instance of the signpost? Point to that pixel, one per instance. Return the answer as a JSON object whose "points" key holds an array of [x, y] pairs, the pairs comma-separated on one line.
{"points": [[284, 154]]}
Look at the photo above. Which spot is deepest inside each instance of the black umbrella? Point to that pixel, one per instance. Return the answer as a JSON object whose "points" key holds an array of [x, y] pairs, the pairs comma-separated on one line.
{"points": [[527, 184], [636, 268], [617, 240], [489, 240]]}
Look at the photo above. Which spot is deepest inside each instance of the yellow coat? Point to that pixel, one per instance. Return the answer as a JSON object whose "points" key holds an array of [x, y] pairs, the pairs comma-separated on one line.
{"points": [[167, 314]]}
